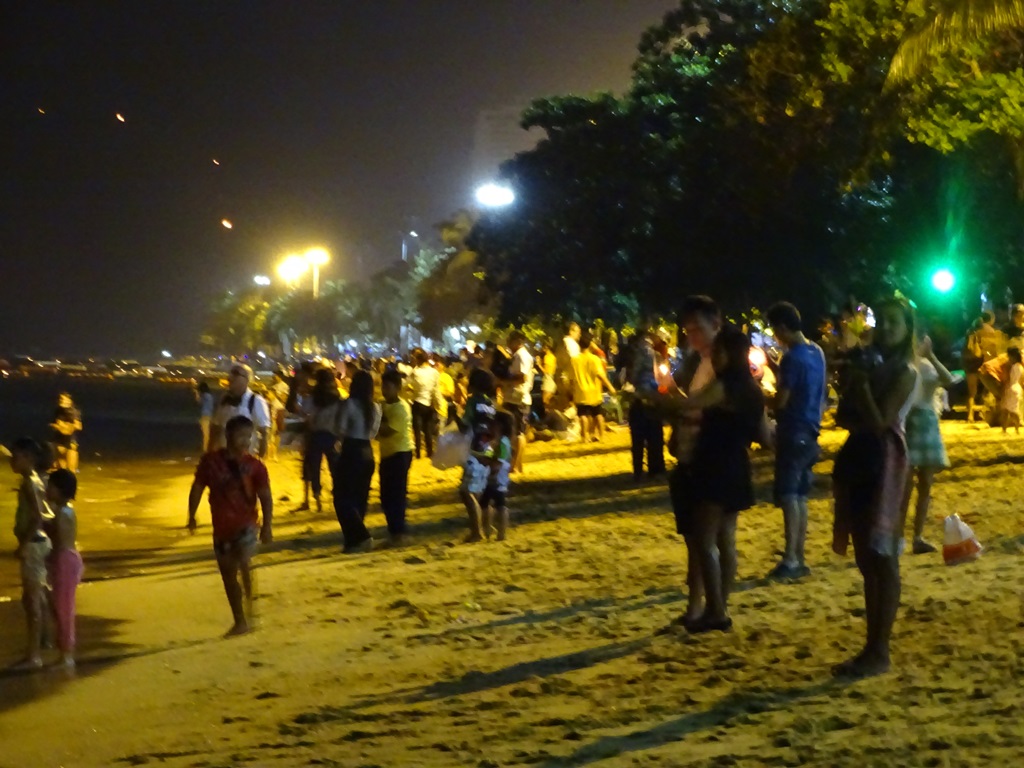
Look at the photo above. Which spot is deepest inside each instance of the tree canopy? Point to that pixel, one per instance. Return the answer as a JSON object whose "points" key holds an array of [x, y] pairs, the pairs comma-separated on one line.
{"points": [[758, 154]]}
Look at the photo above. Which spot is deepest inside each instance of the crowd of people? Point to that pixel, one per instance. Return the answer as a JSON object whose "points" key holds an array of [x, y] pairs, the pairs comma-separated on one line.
{"points": [[383, 416]]}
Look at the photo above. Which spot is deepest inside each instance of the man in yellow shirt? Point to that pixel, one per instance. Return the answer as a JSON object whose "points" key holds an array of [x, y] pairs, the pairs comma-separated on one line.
{"points": [[395, 438], [445, 404], [590, 380]]}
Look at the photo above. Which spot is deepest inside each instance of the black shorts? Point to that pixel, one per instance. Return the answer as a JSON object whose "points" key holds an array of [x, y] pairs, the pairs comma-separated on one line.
{"points": [[589, 410], [520, 418], [493, 496]]}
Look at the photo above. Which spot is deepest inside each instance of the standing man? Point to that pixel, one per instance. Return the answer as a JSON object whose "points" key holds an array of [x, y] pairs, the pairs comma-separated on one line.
{"points": [[984, 343], [798, 408], [239, 400], [516, 388], [646, 429], [567, 351], [423, 391], [591, 377]]}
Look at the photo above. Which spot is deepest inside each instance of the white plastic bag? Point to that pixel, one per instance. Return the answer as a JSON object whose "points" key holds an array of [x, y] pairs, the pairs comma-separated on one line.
{"points": [[960, 545], [452, 448]]}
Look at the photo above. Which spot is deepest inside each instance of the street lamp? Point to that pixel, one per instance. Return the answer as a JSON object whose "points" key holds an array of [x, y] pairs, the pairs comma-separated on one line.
{"points": [[292, 268], [405, 244], [495, 196], [317, 257], [943, 281]]}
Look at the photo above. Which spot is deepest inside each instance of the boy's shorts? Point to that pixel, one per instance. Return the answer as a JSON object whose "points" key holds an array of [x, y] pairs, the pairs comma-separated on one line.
{"points": [[474, 476], [795, 456], [243, 546], [33, 561], [492, 495]]}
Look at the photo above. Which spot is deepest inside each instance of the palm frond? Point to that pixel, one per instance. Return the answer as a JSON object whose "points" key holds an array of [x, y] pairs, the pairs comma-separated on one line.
{"points": [[959, 22]]}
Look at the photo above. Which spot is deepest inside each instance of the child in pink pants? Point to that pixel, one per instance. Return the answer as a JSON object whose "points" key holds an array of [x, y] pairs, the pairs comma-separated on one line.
{"points": [[65, 561]]}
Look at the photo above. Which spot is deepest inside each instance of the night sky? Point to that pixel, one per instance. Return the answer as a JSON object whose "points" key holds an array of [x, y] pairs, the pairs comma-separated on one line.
{"points": [[334, 123]]}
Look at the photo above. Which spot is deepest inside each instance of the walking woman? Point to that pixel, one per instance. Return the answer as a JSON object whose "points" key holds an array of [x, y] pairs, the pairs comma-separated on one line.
{"points": [[322, 435], [719, 482], [353, 469], [925, 449], [870, 475]]}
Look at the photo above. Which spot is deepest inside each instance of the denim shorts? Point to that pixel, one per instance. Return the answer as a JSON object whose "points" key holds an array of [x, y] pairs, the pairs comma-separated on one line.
{"points": [[795, 455]]}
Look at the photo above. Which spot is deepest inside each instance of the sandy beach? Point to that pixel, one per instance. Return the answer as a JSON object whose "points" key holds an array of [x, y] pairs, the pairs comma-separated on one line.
{"points": [[547, 650]]}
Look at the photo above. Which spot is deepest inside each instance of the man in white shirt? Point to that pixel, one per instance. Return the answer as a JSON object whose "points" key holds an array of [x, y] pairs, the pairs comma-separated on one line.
{"points": [[516, 389], [423, 393], [239, 400], [567, 351]]}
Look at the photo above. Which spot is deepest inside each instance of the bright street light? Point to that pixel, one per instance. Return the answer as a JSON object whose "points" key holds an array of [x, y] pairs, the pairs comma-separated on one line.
{"points": [[495, 196], [261, 280], [943, 281], [292, 268], [317, 257]]}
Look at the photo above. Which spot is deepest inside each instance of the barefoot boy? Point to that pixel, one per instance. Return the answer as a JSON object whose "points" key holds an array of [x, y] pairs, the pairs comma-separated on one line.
{"points": [[235, 479], [33, 543]]}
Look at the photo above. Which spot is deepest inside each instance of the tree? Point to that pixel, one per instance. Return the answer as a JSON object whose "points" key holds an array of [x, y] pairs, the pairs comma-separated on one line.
{"points": [[237, 321], [954, 24], [453, 292], [756, 156]]}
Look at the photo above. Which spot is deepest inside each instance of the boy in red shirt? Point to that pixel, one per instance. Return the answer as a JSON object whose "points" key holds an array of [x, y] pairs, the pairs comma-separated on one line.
{"points": [[236, 479]]}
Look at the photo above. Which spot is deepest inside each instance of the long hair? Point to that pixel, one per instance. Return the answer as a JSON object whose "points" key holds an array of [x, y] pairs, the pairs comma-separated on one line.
{"points": [[361, 391], [908, 349], [735, 345], [325, 391]]}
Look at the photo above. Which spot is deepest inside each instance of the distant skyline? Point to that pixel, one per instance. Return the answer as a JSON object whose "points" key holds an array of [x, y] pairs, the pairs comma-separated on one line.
{"points": [[331, 123]]}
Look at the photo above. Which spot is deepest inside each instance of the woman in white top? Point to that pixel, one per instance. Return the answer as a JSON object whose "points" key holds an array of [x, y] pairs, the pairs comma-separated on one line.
{"points": [[353, 469], [925, 449], [870, 474]]}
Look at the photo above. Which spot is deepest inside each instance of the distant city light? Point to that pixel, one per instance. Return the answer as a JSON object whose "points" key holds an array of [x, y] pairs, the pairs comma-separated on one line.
{"points": [[119, 116], [413, 234], [262, 355], [261, 280], [165, 354], [474, 329], [495, 196], [943, 281], [226, 224], [454, 332]]}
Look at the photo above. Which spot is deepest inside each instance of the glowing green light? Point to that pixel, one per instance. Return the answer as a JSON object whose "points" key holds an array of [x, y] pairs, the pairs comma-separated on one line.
{"points": [[943, 281]]}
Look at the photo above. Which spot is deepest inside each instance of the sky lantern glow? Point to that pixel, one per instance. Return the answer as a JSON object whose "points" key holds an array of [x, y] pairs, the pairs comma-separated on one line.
{"points": [[226, 224], [119, 116]]}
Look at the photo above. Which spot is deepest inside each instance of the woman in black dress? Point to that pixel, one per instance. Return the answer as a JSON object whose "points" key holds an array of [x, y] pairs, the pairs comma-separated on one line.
{"points": [[720, 483]]}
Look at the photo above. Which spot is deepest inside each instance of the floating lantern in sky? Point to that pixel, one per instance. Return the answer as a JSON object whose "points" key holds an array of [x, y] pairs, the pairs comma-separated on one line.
{"points": [[41, 110], [119, 116], [226, 224], [216, 161]]}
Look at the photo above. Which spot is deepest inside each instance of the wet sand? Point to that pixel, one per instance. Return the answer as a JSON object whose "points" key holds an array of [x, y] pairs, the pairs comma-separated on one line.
{"points": [[546, 650]]}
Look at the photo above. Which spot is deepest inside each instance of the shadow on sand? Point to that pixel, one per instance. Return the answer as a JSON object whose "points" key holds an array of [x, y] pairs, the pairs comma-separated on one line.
{"points": [[736, 704]]}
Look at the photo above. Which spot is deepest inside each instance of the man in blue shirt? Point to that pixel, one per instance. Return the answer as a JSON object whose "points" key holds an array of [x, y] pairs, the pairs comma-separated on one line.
{"points": [[798, 409]]}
